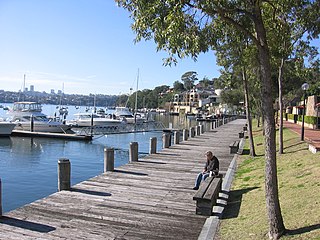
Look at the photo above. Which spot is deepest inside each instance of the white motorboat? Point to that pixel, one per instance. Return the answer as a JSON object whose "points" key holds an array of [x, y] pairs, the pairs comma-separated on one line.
{"points": [[6, 128], [94, 119], [125, 114], [24, 113]]}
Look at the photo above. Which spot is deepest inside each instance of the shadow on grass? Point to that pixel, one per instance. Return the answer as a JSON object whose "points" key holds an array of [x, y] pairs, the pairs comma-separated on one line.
{"points": [[234, 202], [291, 232], [294, 145], [246, 151]]}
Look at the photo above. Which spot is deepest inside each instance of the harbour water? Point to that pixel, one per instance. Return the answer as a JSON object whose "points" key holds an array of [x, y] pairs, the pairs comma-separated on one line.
{"points": [[28, 166]]}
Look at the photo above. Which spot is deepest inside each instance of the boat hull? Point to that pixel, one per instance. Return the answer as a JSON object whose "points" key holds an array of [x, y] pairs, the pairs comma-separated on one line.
{"points": [[43, 127], [6, 128], [96, 122]]}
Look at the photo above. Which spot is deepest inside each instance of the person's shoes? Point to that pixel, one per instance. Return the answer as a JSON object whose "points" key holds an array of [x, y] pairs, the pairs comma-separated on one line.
{"points": [[195, 188]]}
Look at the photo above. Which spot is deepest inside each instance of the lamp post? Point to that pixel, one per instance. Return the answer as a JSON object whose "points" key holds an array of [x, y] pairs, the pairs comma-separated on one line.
{"points": [[304, 87]]}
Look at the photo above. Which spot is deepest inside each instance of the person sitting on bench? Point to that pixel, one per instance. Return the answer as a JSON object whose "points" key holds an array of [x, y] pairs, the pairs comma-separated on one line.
{"points": [[212, 165]]}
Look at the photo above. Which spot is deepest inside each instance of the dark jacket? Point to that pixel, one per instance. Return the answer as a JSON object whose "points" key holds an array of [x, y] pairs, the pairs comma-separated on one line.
{"points": [[212, 165]]}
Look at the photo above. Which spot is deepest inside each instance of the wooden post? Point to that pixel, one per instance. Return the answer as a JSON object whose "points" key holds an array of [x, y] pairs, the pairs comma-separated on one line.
{"points": [[133, 152], [190, 132], [185, 134], [165, 140], [201, 129], [108, 159], [198, 130], [91, 120], [0, 198], [176, 137], [64, 170], [31, 123], [153, 145]]}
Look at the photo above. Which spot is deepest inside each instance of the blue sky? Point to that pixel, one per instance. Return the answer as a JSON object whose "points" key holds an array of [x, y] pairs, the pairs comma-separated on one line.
{"points": [[85, 45]]}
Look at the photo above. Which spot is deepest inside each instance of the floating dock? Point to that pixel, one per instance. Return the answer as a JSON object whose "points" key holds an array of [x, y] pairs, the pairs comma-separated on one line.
{"points": [[51, 135]]}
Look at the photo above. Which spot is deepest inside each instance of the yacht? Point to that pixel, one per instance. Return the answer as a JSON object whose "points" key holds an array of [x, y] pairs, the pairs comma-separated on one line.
{"points": [[94, 119], [6, 128], [125, 114], [22, 114]]}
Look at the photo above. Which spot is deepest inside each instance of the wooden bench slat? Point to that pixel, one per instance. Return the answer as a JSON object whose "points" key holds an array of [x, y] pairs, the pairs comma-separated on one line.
{"points": [[213, 190], [203, 188]]}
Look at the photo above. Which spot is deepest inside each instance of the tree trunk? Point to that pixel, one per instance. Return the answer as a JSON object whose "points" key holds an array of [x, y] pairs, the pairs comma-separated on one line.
{"points": [[246, 97], [280, 107], [276, 226]]}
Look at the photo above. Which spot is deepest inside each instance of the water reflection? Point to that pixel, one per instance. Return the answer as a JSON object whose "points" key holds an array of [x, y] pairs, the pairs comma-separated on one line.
{"points": [[5, 142]]}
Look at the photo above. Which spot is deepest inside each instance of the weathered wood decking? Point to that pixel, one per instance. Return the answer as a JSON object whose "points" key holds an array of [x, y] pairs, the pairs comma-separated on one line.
{"points": [[149, 199]]}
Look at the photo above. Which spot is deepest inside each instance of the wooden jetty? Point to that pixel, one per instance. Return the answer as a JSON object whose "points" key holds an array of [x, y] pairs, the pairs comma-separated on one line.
{"points": [[148, 199], [51, 135]]}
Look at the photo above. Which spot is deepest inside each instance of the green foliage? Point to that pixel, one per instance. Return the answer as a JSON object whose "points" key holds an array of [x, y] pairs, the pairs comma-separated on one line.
{"points": [[290, 116], [146, 98], [189, 79], [122, 100], [232, 97], [178, 86], [310, 119]]}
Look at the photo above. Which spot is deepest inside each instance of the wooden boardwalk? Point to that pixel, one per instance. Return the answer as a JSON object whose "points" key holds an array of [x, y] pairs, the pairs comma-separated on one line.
{"points": [[148, 199]]}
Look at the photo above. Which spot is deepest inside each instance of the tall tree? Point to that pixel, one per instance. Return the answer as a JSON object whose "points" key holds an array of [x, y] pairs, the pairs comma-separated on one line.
{"points": [[189, 79], [186, 28]]}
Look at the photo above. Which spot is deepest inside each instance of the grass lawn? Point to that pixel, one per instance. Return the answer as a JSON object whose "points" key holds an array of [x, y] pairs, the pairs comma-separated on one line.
{"points": [[245, 216]]}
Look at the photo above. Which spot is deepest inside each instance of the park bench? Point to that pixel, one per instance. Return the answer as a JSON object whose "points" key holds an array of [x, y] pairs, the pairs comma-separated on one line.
{"points": [[207, 195], [241, 134], [234, 146]]}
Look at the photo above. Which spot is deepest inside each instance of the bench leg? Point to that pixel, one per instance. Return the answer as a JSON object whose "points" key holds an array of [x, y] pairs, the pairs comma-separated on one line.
{"points": [[204, 207]]}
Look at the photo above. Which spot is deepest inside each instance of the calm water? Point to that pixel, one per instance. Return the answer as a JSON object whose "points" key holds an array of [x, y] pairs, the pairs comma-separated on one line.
{"points": [[28, 166]]}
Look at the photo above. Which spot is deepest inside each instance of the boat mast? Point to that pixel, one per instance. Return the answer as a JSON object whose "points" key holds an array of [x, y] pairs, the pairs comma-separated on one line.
{"points": [[136, 102]]}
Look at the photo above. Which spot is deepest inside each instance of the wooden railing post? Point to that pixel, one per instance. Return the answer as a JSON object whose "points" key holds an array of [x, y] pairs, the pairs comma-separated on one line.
{"points": [[133, 152], [165, 140], [192, 132], [108, 159], [153, 145], [176, 137], [201, 128], [185, 134], [64, 170], [198, 130]]}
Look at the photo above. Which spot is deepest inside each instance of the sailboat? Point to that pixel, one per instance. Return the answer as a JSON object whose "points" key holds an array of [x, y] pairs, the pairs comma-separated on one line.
{"points": [[63, 111], [125, 114]]}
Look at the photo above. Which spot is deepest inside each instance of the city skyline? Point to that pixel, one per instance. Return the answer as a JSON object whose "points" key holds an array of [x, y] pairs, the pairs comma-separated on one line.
{"points": [[87, 46]]}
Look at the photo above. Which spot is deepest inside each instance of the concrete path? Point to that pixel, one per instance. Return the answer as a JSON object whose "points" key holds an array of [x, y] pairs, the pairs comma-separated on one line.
{"points": [[311, 136]]}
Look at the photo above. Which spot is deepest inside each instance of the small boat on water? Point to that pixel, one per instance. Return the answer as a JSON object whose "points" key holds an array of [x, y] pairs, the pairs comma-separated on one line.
{"points": [[94, 119], [125, 114], [23, 113], [6, 128]]}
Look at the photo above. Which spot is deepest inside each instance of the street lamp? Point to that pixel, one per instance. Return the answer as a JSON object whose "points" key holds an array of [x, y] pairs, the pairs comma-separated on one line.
{"points": [[304, 87]]}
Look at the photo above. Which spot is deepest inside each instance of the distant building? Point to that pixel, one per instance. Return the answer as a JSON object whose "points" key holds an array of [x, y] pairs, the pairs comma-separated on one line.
{"points": [[59, 92], [52, 91], [31, 88], [194, 100]]}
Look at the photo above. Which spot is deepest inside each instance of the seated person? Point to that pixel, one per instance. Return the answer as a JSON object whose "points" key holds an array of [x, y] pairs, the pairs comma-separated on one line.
{"points": [[212, 165]]}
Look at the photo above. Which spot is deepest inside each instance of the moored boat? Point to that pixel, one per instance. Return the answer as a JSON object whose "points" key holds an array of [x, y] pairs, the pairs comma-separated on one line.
{"points": [[94, 119], [29, 114], [125, 114], [6, 128]]}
